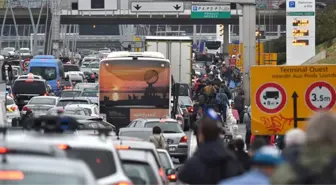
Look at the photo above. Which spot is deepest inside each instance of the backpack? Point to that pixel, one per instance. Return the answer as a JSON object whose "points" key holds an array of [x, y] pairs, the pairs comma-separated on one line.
{"points": [[220, 99], [305, 175], [208, 90]]}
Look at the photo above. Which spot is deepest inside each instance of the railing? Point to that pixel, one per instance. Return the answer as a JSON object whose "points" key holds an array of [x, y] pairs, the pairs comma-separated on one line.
{"points": [[25, 3], [66, 4]]}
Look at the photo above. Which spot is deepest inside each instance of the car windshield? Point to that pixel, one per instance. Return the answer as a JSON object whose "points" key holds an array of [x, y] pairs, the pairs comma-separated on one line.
{"points": [[101, 162], [9, 101], [140, 173], [68, 68], [70, 94], [165, 160], [63, 103], [76, 112], [185, 100], [90, 94], [86, 86], [29, 87], [89, 60], [43, 178], [184, 90], [24, 51], [42, 101], [47, 73], [137, 134], [166, 127], [9, 49]]}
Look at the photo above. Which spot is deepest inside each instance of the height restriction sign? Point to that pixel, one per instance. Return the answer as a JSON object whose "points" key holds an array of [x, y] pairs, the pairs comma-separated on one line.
{"points": [[320, 96], [285, 97]]}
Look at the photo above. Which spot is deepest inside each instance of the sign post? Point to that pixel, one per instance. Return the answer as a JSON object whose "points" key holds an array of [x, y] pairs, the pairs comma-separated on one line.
{"points": [[284, 97], [300, 31], [212, 11]]}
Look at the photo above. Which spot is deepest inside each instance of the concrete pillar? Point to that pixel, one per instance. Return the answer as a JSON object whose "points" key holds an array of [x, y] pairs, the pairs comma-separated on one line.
{"points": [[241, 29], [56, 26], [249, 22], [226, 41]]}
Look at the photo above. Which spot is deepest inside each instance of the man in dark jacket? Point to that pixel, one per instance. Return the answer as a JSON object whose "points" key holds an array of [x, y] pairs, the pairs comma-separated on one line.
{"points": [[241, 155], [239, 104], [212, 162]]}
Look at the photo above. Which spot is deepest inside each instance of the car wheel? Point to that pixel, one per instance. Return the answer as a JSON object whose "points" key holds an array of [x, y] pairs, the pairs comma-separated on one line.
{"points": [[182, 159]]}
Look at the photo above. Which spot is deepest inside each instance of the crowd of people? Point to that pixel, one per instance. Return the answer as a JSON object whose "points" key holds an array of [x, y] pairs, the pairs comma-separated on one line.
{"points": [[307, 157]]}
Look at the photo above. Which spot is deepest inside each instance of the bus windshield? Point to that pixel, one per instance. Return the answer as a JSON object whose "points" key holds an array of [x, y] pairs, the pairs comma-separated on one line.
{"points": [[213, 44], [147, 86]]}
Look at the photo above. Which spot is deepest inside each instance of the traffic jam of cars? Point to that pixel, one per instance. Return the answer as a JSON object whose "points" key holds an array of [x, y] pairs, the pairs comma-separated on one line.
{"points": [[64, 124]]}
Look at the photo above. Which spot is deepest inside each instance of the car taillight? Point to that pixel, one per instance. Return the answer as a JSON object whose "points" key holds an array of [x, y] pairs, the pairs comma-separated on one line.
{"points": [[13, 108], [172, 177], [25, 108], [123, 183], [44, 94], [184, 139], [161, 172], [3, 150], [190, 109], [63, 146]]}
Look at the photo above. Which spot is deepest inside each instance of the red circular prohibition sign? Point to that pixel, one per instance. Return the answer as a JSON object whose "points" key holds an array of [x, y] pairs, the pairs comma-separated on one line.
{"points": [[281, 104], [318, 84]]}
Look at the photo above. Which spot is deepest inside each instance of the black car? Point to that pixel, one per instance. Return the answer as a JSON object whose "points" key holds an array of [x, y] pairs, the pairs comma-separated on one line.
{"points": [[24, 89], [90, 76]]}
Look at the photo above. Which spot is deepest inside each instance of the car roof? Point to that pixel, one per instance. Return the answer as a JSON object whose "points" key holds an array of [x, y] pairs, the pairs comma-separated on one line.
{"points": [[25, 147], [82, 105], [49, 97], [74, 98], [73, 140], [157, 119], [70, 90], [135, 144], [135, 155], [34, 80], [136, 129], [44, 164]]}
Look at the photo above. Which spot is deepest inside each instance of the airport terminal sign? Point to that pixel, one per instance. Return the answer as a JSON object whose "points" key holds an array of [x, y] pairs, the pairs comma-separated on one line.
{"points": [[300, 31], [284, 97], [202, 11]]}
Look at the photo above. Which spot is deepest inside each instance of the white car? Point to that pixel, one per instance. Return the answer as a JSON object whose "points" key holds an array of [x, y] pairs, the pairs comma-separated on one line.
{"points": [[24, 52], [92, 109], [8, 51], [40, 105], [12, 112]]}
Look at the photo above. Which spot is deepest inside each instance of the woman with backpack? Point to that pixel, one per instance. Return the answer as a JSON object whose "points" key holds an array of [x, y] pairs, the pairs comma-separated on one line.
{"points": [[157, 138]]}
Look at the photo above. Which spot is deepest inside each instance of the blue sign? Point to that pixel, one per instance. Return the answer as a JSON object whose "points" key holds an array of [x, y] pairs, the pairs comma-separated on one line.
{"points": [[291, 4], [194, 8]]}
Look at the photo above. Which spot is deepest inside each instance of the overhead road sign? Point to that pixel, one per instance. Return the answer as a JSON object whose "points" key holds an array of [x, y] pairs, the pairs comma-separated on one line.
{"points": [[203, 11], [285, 97], [157, 7]]}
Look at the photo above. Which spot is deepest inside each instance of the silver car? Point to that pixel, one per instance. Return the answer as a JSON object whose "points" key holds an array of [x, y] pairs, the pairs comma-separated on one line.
{"points": [[176, 139], [40, 105], [23, 169], [100, 155]]}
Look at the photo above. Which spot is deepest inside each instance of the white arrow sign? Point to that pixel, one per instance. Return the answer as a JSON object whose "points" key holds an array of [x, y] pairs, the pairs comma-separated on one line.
{"points": [[157, 7]]}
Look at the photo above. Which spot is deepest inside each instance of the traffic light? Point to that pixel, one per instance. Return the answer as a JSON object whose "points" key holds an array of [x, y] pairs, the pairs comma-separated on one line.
{"points": [[221, 29], [260, 34]]}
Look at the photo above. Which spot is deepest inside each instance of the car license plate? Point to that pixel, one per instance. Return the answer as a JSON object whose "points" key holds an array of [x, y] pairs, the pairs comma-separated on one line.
{"points": [[171, 149]]}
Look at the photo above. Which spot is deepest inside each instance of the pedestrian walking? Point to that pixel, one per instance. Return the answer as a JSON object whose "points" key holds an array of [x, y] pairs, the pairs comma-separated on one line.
{"points": [[212, 161], [316, 162], [264, 163]]}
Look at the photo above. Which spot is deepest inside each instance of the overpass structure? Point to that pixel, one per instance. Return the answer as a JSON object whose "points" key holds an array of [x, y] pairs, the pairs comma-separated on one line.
{"points": [[120, 12]]}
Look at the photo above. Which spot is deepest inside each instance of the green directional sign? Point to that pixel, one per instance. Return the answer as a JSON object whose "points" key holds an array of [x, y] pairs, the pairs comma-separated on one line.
{"points": [[301, 13], [210, 12]]}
